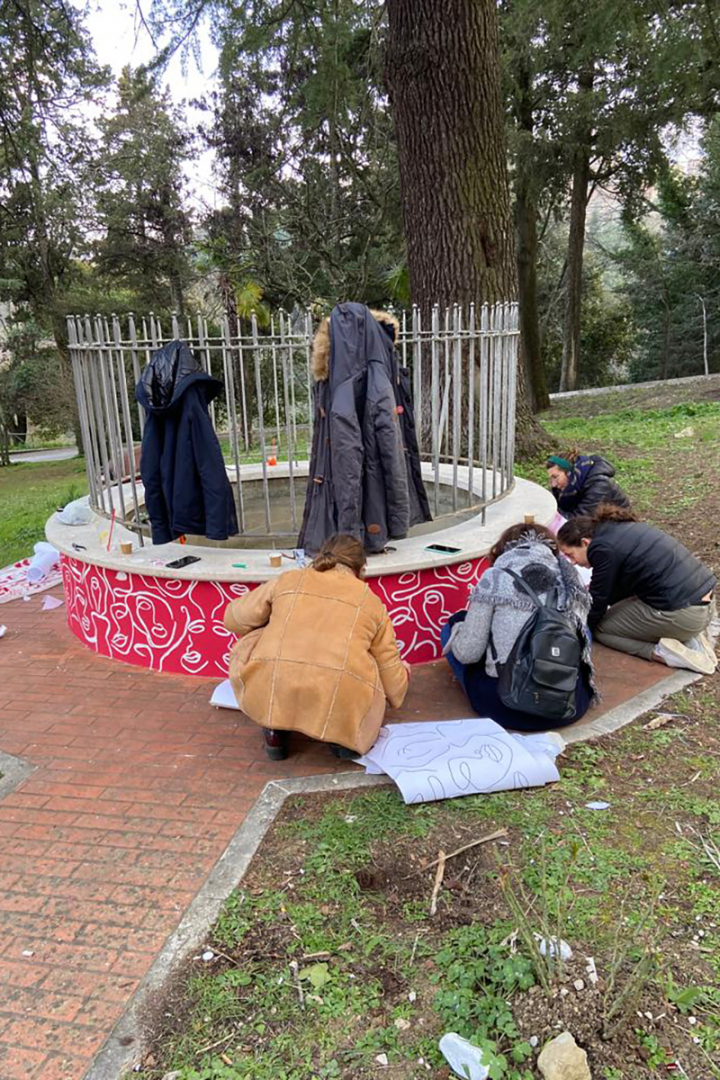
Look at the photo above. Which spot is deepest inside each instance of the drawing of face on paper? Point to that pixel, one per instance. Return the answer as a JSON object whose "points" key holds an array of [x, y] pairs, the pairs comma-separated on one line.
{"points": [[482, 763], [452, 758]]}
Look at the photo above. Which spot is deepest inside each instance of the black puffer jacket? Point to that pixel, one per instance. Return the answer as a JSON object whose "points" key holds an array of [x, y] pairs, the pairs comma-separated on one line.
{"points": [[186, 486], [630, 558], [589, 484], [363, 479]]}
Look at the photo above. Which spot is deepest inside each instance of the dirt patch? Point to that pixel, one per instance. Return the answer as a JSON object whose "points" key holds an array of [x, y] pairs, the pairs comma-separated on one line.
{"points": [[582, 1010]]}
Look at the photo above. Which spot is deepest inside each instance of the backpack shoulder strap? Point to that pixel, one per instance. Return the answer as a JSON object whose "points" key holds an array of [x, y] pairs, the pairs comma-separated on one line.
{"points": [[524, 586]]}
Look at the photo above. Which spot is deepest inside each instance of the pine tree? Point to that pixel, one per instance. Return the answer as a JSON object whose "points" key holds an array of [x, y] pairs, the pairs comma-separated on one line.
{"points": [[140, 195]]}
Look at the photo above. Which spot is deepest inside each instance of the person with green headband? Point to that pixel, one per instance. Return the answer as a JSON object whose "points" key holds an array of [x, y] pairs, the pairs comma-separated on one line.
{"points": [[580, 483]]}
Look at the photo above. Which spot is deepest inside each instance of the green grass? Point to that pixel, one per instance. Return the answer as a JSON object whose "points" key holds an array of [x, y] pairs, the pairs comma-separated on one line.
{"points": [[29, 493], [584, 872], [634, 438], [253, 456]]}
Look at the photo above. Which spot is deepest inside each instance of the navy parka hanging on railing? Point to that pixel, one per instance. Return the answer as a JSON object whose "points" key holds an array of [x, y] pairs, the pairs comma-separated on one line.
{"points": [[187, 490]]}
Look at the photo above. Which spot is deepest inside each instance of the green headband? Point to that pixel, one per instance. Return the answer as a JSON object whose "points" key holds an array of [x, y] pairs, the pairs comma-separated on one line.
{"points": [[561, 462]]}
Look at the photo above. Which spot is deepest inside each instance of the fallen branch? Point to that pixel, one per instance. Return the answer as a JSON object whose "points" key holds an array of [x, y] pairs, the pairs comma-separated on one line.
{"points": [[439, 875], [211, 1046], [459, 851]]}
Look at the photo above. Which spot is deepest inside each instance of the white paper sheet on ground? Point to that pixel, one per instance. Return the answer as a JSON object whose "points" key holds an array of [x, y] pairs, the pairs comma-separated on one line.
{"points": [[430, 761], [224, 696]]}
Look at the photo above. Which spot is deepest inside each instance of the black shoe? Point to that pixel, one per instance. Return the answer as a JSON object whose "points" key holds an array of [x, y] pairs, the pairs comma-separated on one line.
{"points": [[343, 753], [275, 744]]}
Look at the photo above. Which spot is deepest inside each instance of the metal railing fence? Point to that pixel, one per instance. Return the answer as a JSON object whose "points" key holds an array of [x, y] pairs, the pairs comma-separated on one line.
{"points": [[463, 367]]}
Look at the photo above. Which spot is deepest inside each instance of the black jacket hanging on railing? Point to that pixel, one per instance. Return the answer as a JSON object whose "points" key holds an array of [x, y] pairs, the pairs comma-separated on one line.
{"points": [[365, 477], [186, 486]]}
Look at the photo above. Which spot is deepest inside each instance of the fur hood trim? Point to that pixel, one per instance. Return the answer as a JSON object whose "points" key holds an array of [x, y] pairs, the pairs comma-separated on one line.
{"points": [[321, 343]]}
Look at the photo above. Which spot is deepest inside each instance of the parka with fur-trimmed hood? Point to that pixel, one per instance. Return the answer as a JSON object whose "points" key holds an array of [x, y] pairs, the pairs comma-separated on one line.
{"points": [[365, 477]]}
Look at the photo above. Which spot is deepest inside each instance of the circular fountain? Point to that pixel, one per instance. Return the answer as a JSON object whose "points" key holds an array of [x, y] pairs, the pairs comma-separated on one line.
{"points": [[126, 601]]}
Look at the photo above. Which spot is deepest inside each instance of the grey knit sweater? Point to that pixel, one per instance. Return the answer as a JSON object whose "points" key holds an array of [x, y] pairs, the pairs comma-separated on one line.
{"points": [[499, 607]]}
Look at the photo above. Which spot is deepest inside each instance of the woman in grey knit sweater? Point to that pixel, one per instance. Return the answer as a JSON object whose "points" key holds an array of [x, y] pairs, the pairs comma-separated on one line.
{"points": [[477, 642]]}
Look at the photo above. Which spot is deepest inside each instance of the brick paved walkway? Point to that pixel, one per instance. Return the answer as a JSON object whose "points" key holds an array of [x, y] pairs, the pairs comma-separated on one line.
{"points": [[137, 788]]}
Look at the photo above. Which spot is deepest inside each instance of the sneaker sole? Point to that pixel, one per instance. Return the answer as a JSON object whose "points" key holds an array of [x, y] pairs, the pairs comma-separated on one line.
{"points": [[691, 659]]}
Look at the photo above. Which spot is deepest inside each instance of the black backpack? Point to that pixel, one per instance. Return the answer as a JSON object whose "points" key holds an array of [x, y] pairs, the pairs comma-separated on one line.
{"points": [[541, 673]]}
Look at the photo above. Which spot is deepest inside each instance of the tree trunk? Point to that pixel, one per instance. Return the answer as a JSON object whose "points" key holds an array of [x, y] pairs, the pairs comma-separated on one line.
{"points": [[573, 287], [530, 338], [243, 371], [19, 429], [59, 327], [176, 294], [663, 373], [442, 70], [527, 184], [576, 247], [4, 440]]}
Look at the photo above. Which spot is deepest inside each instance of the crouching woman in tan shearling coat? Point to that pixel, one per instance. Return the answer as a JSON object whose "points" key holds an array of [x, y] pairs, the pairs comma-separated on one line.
{"points": [[317, 654]]}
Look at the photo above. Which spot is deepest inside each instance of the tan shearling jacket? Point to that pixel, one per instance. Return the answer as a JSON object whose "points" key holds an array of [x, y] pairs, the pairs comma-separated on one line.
{"points": [[317, 654]]}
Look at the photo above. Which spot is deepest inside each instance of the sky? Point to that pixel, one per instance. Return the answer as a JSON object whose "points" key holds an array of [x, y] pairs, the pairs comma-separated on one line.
{"points": [[120, 39]]}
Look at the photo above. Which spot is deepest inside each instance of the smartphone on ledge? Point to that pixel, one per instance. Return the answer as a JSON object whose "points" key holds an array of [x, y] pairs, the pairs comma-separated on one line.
{"points": [[444, 549], [185, 561]]}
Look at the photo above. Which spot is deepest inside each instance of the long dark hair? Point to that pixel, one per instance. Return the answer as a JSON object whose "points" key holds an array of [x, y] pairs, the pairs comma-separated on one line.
{"points": [[583, 527], [516, 534], [341, 550]]}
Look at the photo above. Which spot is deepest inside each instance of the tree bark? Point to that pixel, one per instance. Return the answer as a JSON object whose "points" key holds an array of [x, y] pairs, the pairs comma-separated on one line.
{"points": [[573, 287], [530, 337], [20, 427], [576, 247], [526, 238], [443, 76]]}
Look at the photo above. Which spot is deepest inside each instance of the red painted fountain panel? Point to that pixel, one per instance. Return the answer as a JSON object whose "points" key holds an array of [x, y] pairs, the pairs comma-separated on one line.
{"points": [[177, 626]]}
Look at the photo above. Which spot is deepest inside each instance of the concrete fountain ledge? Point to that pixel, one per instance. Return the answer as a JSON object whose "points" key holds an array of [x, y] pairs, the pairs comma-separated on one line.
{"points": [[216, 563], [136, 609]]}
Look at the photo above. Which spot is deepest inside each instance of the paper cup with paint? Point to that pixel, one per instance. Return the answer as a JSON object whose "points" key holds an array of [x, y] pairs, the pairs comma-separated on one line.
{"points": [[275, 559], [126, 546]]}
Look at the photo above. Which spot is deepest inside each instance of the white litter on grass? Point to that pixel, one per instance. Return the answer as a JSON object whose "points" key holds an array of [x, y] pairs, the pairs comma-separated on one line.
{"points": [[549, 946], [598, 805], [208, 955], [382, 1059], [463, 1058], [591, 970]]}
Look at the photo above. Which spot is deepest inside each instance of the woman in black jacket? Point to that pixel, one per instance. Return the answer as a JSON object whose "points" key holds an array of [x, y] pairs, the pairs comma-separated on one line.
{"points": [[650, 596], [581, 483]]}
